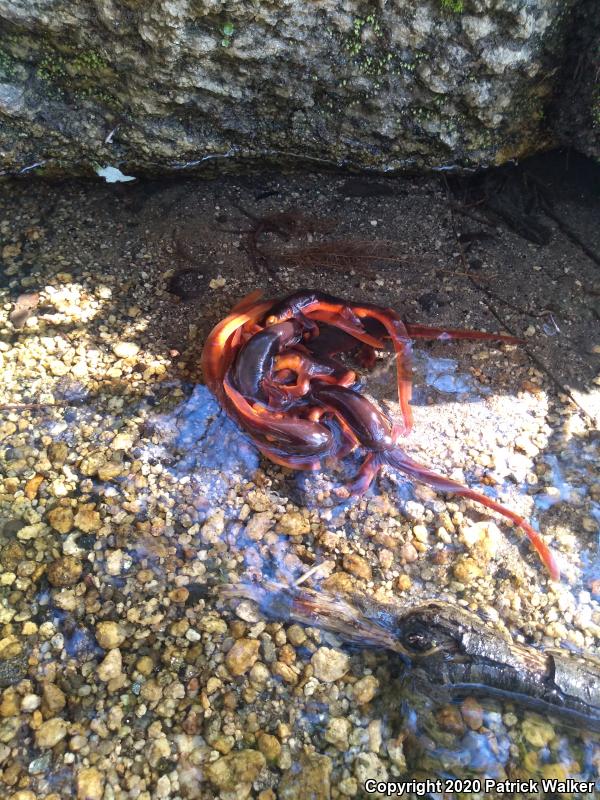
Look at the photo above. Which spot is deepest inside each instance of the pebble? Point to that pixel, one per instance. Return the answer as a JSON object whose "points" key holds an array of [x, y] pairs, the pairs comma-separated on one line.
{"points": [[213, 527], [242, 767], [64, 571], [368, 766], [365, 689], [53, 699], [296, 635], [293, 523], [51, 732], [329, 665], [122, 441], [337, 732], [111, 666], [450, 719], [358, 566], [269, 746], [247, 611], [537, 731], [89, 784], [61, 519], [466, 570], [87, 518], [258, 525], [125, 349], [242, 656], [308, 777], [30, 702], [408, 553], [32, 486], [57, 453], [9, 705], [28, 532], [90, 463], [109, 635], [472, 713]]}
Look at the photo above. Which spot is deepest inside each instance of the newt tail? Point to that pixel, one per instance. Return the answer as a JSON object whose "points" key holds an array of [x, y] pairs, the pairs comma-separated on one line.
{"points": [[399, 460]]}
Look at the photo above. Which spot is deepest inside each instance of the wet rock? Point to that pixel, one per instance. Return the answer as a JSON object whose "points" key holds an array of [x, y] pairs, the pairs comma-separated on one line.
{"points": [[309, 777], [10, 647], [558, 772], [11, 555], [64, 571], [122, 441], [524, 444], [285, 671], [30, 702], [489, 66], [248, 611], [403, 583], [31, 531], [408, 553], [109, 635], [338, 582], [296, 635], [51, 732], [89, 784], [61, 519], [242, 656], [25, 303], [40, 765], [110, 470], [235, 769], [329, 665]]}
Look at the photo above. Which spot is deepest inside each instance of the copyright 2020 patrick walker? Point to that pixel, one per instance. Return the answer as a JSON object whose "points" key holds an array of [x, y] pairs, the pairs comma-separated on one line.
{"points": [[421, 788]]}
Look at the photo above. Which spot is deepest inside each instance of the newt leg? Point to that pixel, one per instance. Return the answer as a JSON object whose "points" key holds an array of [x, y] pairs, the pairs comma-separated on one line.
{"points": [[398, 334], [400, 461], [363, 478]]}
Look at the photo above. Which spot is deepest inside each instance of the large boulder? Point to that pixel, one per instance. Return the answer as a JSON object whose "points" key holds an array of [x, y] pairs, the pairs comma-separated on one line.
{"points": [[578, 104], [162, 85]]}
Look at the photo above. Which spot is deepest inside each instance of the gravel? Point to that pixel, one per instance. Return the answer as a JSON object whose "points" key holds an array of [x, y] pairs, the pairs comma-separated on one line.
{"points": [[126, 498]]}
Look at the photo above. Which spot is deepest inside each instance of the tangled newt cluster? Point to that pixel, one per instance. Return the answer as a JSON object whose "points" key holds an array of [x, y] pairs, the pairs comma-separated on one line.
{"points": [[271, 365]]}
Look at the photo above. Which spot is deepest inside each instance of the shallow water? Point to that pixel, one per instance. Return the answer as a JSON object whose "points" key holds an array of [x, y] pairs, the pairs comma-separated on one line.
{"points": [[116, 651]]}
